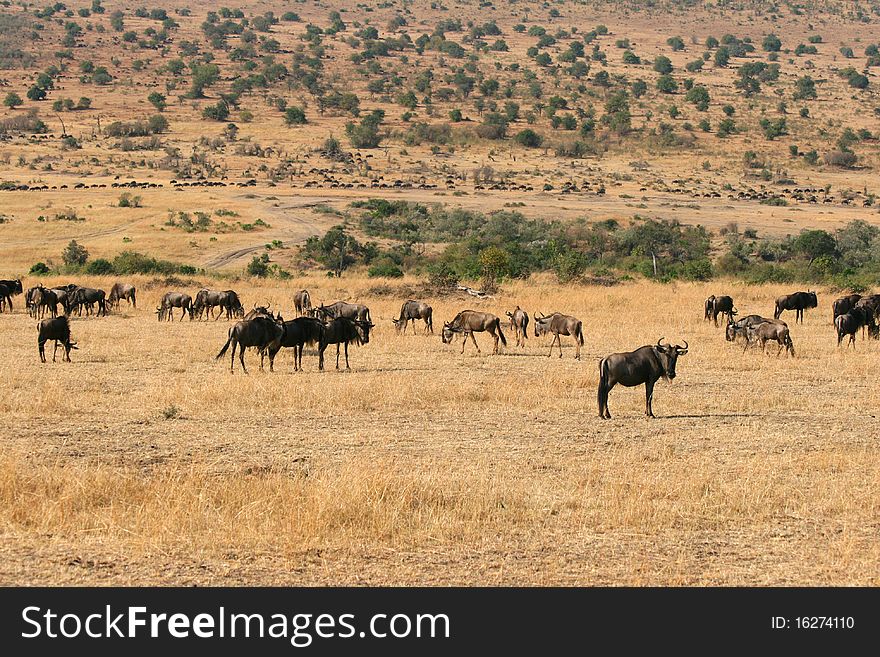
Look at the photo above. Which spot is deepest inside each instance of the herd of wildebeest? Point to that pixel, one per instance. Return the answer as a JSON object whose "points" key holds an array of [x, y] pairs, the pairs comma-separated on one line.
{"points": [[342, 323]]}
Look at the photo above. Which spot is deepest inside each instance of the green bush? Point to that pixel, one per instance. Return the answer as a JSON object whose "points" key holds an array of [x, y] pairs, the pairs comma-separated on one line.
{"points": [[99, 267], [39, 269], [385, 268]]}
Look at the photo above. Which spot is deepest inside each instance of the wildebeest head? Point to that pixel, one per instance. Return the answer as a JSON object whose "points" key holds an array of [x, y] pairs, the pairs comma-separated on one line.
{"points": [[730, 331], [542, 324], [363, 330], [448, 333], [668, 355]]}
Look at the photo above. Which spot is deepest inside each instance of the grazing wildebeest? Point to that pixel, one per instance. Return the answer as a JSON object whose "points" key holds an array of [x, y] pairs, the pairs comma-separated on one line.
{"points": [[302, 302], [8, 289], [298, 333], [843, 305], [230, 304], [88, 297], [715, 306], [799, 301], [57, 329], [65, 294], [468, 322], [343, 330], [356, 311], [173, 300], [559, 325], [519, 323], [259, 332], [121, 291], [206, 301], [738, 328], [633, 368], [410, 311], [850, 322], [767, 331]]}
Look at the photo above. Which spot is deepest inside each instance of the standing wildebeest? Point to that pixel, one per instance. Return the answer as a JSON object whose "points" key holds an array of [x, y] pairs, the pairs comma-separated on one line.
{"points": [[57, 329], [715, 306], [259, 332], [519, 322], [559, 324], [469, 322], [843, 305], [87, 297], [298, 333], [633, 368], [207, 300], [8, 289], [45, 299], [173, 300], [121, 291], [767, 331], [411, 311], [302, 302], [871, 306], [356, 311], [343, 330], [850, 322], [739, 327], [230, 304], [799, 301]]}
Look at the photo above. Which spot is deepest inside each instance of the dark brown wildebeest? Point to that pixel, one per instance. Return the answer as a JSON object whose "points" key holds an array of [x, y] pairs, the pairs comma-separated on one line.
{"points": [[259, 332], [633, 368], [230, 303], [88, 297], [767, 331], [298, 333], [850, 322], [799, 301], [843, 305], [871, 305], [259, 311], [65, 294], [121, 291], [410, 311], [738, 328], [206, 301], [715, 306], [559, 325], [356, 311], [343, 330], [302, 303], [57, 329], [468, 322], [8, 289], [519, 323], [173, 300]]}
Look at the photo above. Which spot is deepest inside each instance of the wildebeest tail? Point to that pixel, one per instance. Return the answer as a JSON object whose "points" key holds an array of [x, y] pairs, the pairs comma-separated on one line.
{"points": [[500, 334], [580, 334], [225, 348]]}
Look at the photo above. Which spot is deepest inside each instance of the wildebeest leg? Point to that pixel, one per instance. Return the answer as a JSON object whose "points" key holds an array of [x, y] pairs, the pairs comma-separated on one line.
{"points": [[241, 349], [55, 351], [321, 348], [474, 340], [852, 340], [604, 389], [41, 347], [779, 351], [337, 354], [559, 343], [555, 335], [649, 397], [346, 350]]}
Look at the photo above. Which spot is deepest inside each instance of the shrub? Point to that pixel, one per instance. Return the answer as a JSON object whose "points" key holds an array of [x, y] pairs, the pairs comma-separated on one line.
{"points": [[529, 138], [74, 254], [39, 269], [385, 268], [99, 267]]}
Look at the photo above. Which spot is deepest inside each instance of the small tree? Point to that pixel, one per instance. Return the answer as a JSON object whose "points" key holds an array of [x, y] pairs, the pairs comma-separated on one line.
{"points": [[294, 116], [494, 265], [771, 43], [663, 65], [12, 100], [157, 100], [529, 138], [74, 254]]}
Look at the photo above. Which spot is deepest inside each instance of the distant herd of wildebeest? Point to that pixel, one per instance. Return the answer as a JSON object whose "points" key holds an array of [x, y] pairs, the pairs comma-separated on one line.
{"points": [[343, 323]]}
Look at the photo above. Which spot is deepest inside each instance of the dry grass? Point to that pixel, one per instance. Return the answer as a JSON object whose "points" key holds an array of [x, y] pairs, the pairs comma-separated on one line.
{"points": [[145, 461]]}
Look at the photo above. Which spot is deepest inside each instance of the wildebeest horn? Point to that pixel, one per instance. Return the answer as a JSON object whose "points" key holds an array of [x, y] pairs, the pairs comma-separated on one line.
{"points": [[682, 350], [659, 341], [255, 305]]}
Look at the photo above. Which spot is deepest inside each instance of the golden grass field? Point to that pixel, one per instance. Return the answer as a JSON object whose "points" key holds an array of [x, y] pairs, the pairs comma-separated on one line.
{"points": [[146, 462]]}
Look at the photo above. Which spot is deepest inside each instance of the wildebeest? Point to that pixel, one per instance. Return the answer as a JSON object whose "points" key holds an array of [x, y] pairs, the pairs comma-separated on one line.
{"points": [[259, 332], [738, 328], [843, 305], [45, 299], [297, 334], [715, 306], [799, 301], [121, 291], [356, 311], [633, 368], [302, 302], [57, 329], [88, 297], [343, 330], [173, 300], [231, 303], [410, 311], [207, 300], [871, 305], [519, 323], [559, 325], [258, 311], [767, 331], [468, 322], [8, 289], [850, 322]]}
